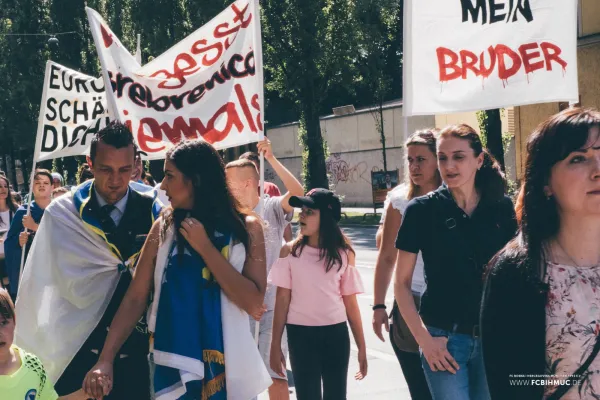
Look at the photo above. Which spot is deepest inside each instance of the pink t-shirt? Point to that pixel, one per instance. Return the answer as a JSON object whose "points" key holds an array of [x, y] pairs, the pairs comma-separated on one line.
{"points": [[316, 294]]}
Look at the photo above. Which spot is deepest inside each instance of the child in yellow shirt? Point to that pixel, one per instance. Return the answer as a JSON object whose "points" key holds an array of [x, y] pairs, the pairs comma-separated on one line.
{"points": [[22, 375]]}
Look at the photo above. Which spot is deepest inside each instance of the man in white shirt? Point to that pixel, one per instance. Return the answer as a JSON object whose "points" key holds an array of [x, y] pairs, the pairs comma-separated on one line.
{"points": [[243, 180]]}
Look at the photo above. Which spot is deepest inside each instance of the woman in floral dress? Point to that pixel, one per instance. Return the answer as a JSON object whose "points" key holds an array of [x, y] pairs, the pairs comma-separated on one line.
{"points": [[540, 315]]}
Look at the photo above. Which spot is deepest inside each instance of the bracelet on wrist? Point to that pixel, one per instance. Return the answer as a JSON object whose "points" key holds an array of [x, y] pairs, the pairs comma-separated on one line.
{"points": [[379, 307]]}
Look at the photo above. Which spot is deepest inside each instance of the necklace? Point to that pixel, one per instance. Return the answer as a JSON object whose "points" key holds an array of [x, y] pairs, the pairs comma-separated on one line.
{"points": [[568, 255]]}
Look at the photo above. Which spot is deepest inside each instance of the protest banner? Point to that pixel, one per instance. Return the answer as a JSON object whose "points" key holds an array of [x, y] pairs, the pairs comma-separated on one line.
{"points": [[465, 55], [208, 86], [72, 110]]}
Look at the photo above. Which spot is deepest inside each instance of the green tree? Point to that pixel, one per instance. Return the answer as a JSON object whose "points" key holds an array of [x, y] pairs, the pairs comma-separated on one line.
{"points": [[309, 50], [73, 51], [378, 23], [161, 24], [490, 126], [22, 66], [69, 16]]}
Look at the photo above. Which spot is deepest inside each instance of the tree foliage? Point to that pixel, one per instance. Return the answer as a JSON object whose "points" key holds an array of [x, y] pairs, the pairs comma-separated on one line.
{"points": [[318, 54], [380, 56]]}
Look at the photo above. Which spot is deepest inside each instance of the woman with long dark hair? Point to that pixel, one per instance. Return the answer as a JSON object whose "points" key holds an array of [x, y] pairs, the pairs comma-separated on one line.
{"points": [[540, 313], [317, 285], [422, 177], [458, 229], [205, 262], [8, 208]]}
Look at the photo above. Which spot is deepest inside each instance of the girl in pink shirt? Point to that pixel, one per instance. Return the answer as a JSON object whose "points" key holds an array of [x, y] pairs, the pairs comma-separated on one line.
{"points": [[317, 286]]}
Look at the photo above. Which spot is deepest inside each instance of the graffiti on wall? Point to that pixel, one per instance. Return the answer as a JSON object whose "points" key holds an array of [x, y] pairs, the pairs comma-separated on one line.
{"points": [[340, 171]]}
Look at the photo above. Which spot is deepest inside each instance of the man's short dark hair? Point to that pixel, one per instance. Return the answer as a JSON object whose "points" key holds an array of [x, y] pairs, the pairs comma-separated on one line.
{"points": [[42, 172], [116, 135]]}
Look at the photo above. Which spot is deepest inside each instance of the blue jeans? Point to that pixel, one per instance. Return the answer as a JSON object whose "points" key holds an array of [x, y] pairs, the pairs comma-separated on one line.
{"points": [[470, 382]]}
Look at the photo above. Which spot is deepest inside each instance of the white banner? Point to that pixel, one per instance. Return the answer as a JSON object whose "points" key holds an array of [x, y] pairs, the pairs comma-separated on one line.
{"points": [[73, 109], [208, 86], [465, 55]]}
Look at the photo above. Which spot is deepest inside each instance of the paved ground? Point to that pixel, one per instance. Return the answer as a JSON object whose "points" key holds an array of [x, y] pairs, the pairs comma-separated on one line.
{"points": [[385, 380], [362, 210]]}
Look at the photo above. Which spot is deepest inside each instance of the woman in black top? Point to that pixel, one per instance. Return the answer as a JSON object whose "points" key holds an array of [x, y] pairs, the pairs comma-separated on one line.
{"points": [[458, 228], [540, 315]]}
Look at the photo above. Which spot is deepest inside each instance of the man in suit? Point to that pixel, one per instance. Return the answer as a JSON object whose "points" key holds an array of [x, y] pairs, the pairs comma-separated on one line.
{"points": [[116, 217]]}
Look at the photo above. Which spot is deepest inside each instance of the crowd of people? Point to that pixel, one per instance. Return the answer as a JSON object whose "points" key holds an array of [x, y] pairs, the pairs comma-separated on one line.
{"points": [[206, 294], [495, 300]]}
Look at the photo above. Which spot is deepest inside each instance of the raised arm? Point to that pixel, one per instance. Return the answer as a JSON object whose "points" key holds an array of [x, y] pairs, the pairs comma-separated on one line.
{"points": [[131, 309], [292, 185], [384, 268]]}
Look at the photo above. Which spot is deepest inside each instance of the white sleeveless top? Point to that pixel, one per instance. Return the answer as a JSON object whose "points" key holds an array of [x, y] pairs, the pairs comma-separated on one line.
{"points": [[397, 197]]}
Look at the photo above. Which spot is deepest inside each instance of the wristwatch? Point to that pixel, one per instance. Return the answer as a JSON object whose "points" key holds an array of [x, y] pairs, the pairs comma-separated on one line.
{"points": [[379, 306]]}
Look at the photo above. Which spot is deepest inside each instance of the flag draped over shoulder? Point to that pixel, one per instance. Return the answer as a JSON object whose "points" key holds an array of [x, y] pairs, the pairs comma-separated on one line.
{"points": [[68, 280], [188, 339], [245, 373]]}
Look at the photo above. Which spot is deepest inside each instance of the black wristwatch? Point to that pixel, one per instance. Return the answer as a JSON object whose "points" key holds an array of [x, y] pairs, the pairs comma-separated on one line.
{"points": [[379, 307]]}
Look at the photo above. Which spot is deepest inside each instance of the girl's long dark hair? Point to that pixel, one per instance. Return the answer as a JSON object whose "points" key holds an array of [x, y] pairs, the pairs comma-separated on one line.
{"points": [[214, 205], [10, 200], [332, 242], [425, 137], [550, 143], [489, 180]]}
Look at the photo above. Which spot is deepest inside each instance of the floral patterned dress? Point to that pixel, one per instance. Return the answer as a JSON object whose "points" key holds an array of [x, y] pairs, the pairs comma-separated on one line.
{"points": [[572, 324]]}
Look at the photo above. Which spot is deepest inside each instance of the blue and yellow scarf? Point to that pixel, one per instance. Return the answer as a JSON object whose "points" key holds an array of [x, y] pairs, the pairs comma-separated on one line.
{"points": [[81, 197], [188, 339]]}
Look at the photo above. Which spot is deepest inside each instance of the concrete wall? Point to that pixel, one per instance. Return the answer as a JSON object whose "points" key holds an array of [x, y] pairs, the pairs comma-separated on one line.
{"points": [[355, 132], [350, 173], [590, 17], [355, 150]]}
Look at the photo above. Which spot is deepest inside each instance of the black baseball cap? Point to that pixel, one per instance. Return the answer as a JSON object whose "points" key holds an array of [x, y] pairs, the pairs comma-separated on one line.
{"points": [[320, 199]]}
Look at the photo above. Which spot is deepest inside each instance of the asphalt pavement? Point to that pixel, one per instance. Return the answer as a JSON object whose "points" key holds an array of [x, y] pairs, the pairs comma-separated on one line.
{"points": [[384, 380]]}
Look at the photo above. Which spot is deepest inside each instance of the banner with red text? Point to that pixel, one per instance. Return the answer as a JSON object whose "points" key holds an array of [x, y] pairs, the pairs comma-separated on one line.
{"points": [[465, 55], [208, 86], [72, 110]]}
